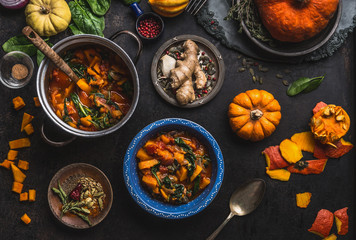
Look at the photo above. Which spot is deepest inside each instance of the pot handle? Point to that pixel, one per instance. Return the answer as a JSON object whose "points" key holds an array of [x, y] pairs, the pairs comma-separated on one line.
{"points": [[138, 40], [54, 143]]}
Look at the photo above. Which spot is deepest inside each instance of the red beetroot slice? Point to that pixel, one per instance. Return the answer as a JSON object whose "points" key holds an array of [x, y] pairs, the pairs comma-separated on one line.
{"points": [[319, 106], [342, 221], [308, 167], [322, 223], [275, 158]]}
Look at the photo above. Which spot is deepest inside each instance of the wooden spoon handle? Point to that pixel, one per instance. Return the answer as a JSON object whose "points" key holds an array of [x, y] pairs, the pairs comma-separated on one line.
{"points": [[48, 52]]}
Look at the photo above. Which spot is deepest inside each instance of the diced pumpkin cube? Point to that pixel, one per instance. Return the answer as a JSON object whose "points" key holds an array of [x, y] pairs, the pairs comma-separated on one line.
{"points": [[196, 172], [304, 140], [82, 84], [86, 121], [6, 164], [23, 196], [20, 143], [204, 182], [147, 164], [12, 154], [150, 181], [165, 139], [179, 157], [142, 155], [18, 175], [290, 151], [24, 165], [278, 174], [37, 102], [72, 124], [18, 103], [31, 195], [26, 119], [183, 174], [17, 187], [26, 219], [303, 199], [29, 129]]}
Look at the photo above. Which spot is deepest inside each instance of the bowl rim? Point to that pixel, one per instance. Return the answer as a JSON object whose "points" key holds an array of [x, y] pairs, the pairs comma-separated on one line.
{"points": [[220, 66], [57, 176], [136, 194], [260, 44]]}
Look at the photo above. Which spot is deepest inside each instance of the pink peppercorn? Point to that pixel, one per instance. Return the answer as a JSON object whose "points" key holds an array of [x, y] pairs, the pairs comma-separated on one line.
{"points": [[149, 28]]}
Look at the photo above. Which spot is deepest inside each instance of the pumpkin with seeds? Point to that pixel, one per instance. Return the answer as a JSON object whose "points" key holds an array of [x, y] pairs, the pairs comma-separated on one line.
{"points": [[254, 114], [329, 124]]}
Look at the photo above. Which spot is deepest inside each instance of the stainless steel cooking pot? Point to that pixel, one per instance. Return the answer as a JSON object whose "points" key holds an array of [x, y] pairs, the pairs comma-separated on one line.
{"points": [[71, 43]]}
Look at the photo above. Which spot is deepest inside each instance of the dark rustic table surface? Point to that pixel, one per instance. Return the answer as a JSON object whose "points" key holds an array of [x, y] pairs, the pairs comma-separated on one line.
{"points": [[276, 218]]}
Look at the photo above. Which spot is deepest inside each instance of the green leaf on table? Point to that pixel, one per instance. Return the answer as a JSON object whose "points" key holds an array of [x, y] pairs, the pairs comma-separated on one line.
{"points": [[99, 7], [40, 55], [19, 43], [85, 20], [75, 30], [304, 85]]}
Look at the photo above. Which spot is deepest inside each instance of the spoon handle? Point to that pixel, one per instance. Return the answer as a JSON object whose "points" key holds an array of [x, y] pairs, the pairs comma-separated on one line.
{"points": [[48, 51], [217, 231]]}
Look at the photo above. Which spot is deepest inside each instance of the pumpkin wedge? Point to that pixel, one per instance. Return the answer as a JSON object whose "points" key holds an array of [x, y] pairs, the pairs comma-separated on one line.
{"points": [[308, 167]]}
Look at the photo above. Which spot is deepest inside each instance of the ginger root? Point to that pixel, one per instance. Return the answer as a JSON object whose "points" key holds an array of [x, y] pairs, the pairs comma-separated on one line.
{"points": [[182, 75]]}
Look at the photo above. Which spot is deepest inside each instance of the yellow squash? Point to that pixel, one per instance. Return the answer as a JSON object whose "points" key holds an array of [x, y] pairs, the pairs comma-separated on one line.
{"points": [[168, 8], [48, 17]]}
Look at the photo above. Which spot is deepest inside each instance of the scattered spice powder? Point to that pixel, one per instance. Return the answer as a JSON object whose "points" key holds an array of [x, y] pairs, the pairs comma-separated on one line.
{"points": [[19, 71]]}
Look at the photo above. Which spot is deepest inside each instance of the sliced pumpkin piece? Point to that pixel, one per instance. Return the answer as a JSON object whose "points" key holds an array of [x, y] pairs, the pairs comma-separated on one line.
{"points": [[303, 199], [147, 164], [20, 143], [17, 187], [26, 219], [308, 167], [274, 158], [342, 147], [342, 221], [278, 174], [26, 119], [322, 223], [290, 151], [12, 154], [304, 140], [330, 237], [6, 164]]}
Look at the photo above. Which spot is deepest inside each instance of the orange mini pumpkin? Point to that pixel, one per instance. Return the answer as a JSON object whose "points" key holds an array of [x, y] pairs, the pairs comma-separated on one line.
{"points": [[295, 20], [254, 114], [330, 124]]}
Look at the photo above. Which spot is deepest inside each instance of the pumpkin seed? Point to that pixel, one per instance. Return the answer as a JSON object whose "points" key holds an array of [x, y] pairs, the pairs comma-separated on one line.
{"points": [[252, 72], [344, 126], [332, 109], [241, 69], [287, 71], [239, 56], [285, 83], [244, 62], [338, 112], [278, 75], [326, 112], [101, 204], [254, 79], [260, 67], [261, 80], [340, 118], [264, 69]]}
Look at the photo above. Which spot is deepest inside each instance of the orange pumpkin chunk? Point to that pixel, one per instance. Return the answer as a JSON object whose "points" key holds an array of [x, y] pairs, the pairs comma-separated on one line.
{"points": [[290, 151], [6, 164], [18, 175], [31, 195], [23, 196], [24, 165], [20, 143], [29, 129], [12, 154], [26, 119], [37, 102], [18, 103], [26, 219], [303, 199], [17, 187], [304, 140]]}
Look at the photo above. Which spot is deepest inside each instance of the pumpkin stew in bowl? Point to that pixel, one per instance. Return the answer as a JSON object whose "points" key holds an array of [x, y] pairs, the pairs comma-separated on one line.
{"points": [[174, 167], [101, 97]]}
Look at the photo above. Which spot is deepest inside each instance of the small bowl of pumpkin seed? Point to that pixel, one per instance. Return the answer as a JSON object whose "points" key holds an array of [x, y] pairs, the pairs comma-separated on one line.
{"points": [[80, 195]]}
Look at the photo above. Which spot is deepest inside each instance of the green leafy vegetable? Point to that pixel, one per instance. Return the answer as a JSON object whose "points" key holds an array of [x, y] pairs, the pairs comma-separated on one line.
{"points": [[85, 21], [128, 88], [99, 7], [154, 171], [167, 182], [82, 110], [75, 30], [304, 85], [178, 193], [190, 156], [196, 185]]}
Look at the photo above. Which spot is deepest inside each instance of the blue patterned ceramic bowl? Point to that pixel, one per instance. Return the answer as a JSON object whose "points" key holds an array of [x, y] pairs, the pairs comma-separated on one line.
{"points": [[165, 210]]}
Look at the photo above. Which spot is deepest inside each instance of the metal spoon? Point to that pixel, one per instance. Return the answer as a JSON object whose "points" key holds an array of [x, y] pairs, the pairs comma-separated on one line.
{"points": [[243, 201]]}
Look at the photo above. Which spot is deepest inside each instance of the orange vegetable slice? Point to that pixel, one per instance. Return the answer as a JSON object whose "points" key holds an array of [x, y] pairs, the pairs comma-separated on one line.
{"points": [[308, 167], [304, 140], [290, 151], [26, 119], [303, 199], [342, 221], [322, 223]]}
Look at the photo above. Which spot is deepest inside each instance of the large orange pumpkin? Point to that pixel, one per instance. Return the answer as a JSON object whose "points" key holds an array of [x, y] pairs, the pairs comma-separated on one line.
{"points": [[254, 114], [295, 20]]}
